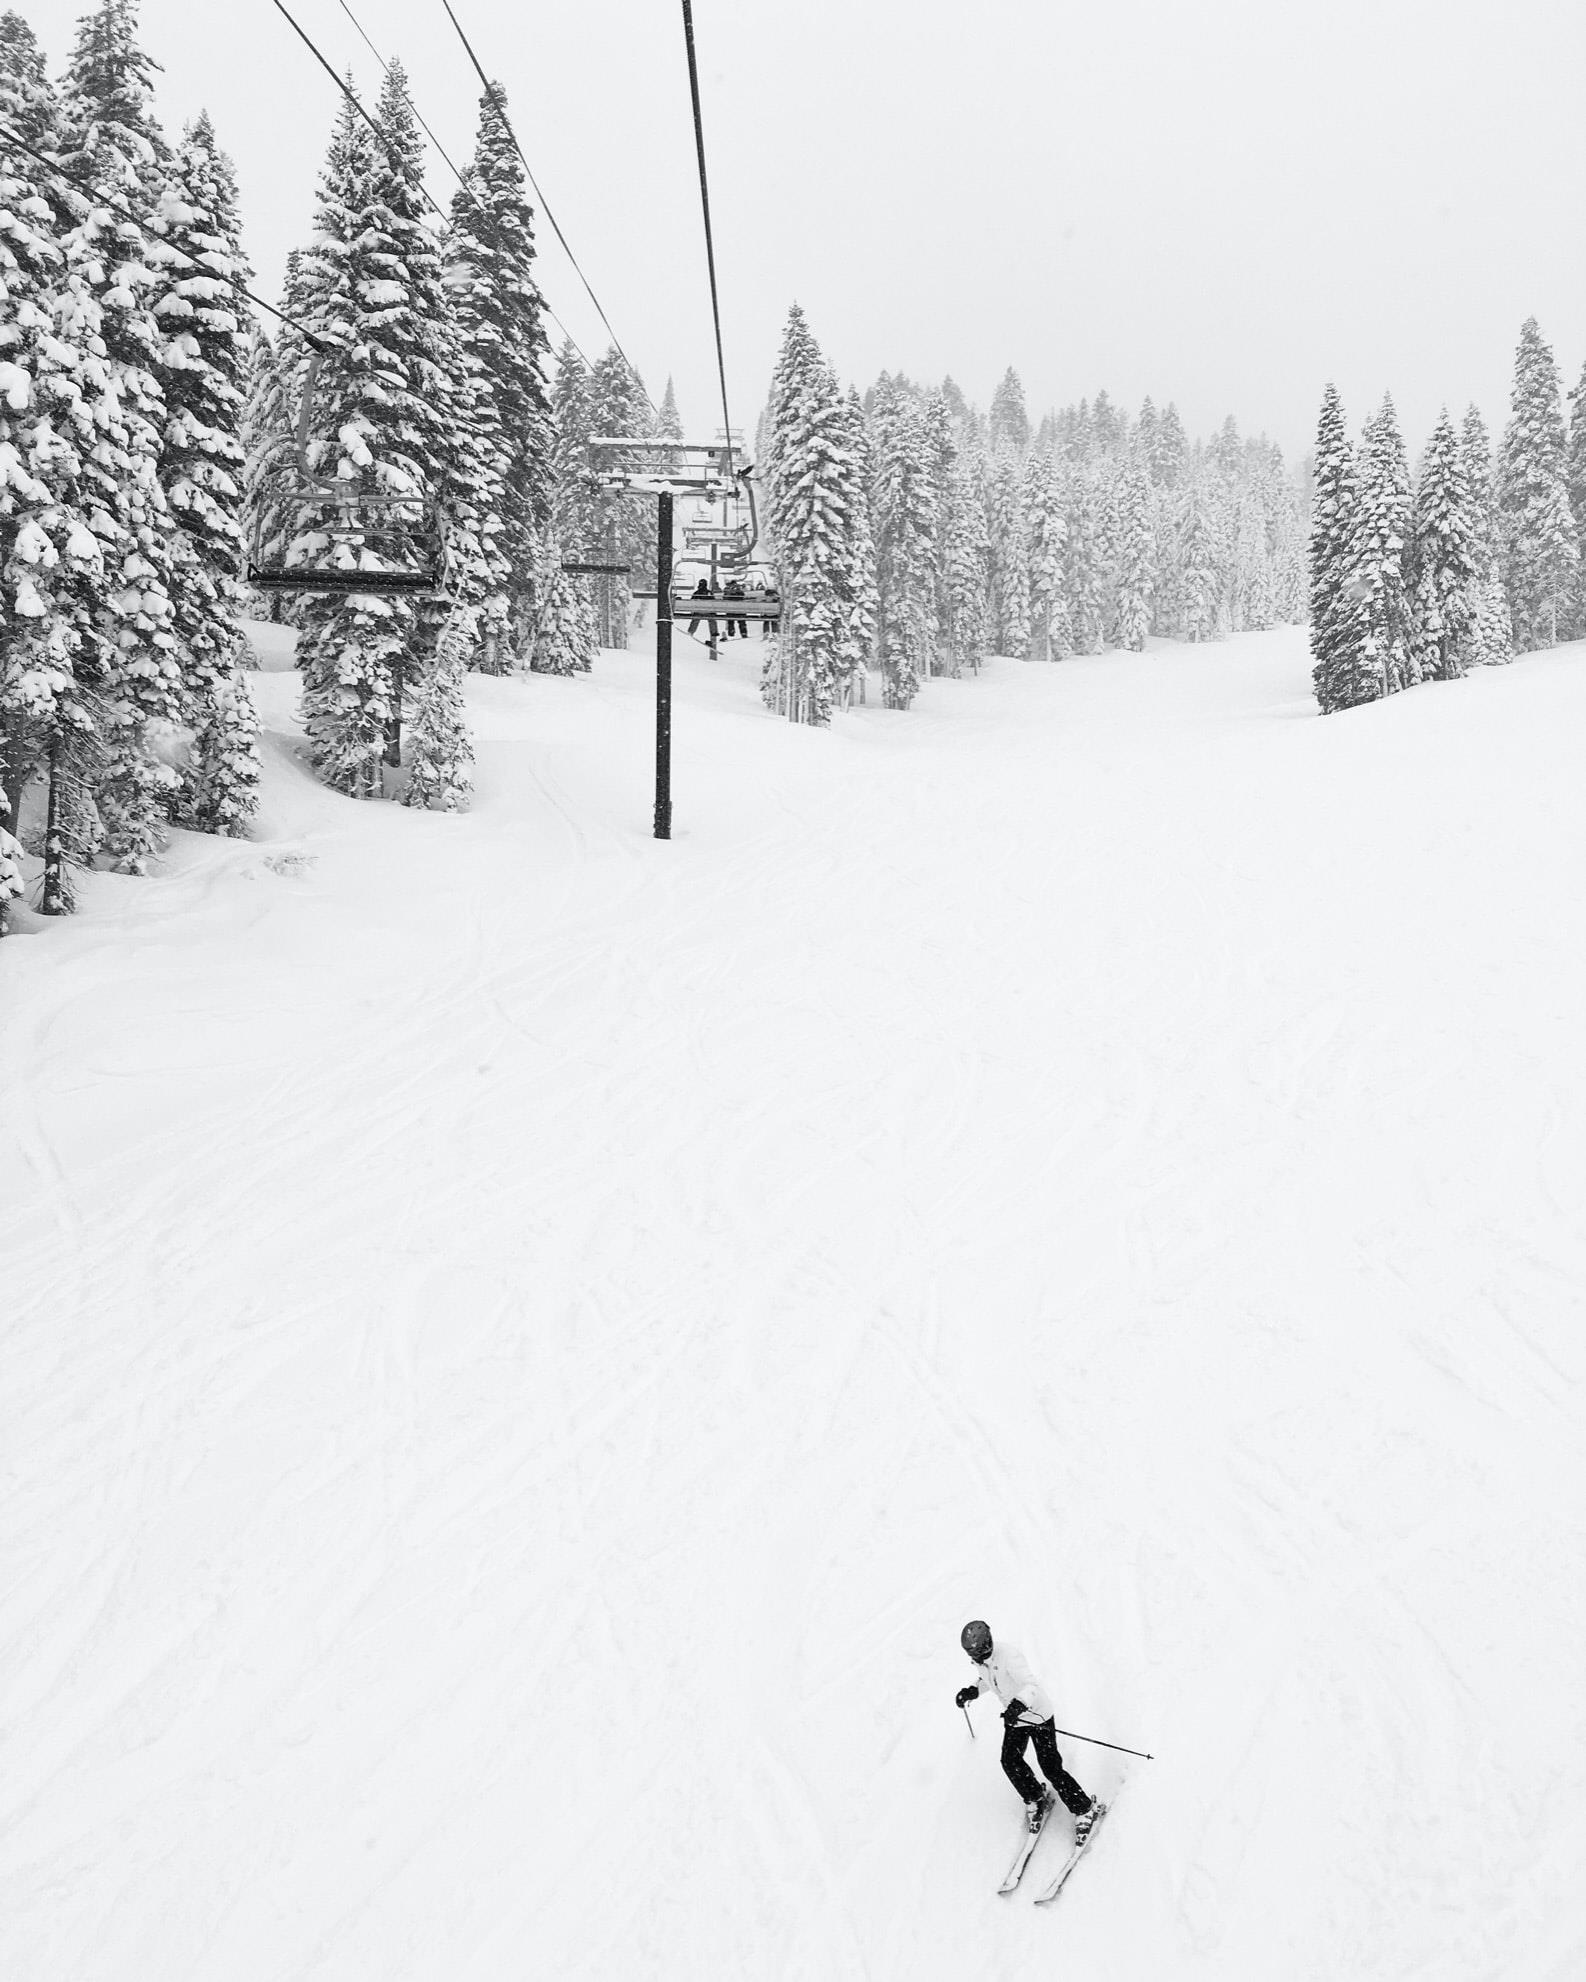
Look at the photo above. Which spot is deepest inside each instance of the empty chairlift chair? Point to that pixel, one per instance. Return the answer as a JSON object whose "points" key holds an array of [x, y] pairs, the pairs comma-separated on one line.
{"points": [[321, 533]]}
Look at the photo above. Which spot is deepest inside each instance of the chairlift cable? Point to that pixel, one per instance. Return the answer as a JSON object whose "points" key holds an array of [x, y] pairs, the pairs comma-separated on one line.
{"points": [[704, 200], [352, 97], [406, 91], [143, 224], [501, 111], [447, 157]]}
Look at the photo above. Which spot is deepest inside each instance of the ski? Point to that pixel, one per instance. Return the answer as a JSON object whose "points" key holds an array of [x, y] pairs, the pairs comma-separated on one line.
{"points": [[1026, 1846], [1046, 1897]]}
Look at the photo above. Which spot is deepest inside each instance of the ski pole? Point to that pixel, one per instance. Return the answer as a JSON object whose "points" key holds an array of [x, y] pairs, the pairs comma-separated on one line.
{"points": [[969, 1724], [1096, 1743]]}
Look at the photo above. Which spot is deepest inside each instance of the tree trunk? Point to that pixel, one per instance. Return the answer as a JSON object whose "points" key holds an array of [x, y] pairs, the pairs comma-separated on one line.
{"points": [[56, 898], [14, 774], [393, 728]]}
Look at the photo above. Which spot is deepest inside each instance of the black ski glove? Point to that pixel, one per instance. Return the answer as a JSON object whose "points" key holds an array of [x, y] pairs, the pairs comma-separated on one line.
{"points": [[966, 1694], [1011, 1712]]}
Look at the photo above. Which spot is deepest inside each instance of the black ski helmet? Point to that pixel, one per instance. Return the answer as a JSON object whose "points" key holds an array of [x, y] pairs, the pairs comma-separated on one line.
{"points": [[976, 1640]]}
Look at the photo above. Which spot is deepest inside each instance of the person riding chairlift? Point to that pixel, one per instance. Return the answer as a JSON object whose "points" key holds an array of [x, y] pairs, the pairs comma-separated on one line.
{"points": [[734, 590], [701, 591]]}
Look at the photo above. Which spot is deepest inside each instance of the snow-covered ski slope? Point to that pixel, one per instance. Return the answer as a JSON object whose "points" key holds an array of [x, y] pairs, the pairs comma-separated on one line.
{"points": [[523, 1345]]}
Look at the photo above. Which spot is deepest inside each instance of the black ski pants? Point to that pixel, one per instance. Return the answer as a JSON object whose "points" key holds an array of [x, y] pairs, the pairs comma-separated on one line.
{"points": [[1024, 1778]]}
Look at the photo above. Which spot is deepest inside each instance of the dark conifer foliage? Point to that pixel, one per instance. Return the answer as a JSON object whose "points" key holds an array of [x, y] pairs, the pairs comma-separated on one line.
{"points": [[566, 633], [1537, 529], [109, 134], [1575, 488], [389, 418], [1379, 552], [1446, 575], [500, 319], [624, 526], [1338, 673], [110, 82], [50, 563], [817, 485], [903, 508], [203, 365], [1010, 422]]}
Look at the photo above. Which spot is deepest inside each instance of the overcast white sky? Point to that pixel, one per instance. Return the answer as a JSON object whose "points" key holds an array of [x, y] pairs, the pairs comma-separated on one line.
{"points": [[1222, 202]]}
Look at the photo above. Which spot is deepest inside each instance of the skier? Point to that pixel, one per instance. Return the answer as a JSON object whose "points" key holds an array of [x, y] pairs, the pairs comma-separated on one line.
{"points": [[1027, 1715]]}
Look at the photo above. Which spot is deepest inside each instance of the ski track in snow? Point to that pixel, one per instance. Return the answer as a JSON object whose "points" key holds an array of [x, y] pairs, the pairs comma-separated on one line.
{"points": [[523, 1345]]}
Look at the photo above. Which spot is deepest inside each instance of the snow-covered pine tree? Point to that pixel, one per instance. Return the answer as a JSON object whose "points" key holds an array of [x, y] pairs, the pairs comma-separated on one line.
{"points": [[941, 451], [1339, 673], [1492, 634], [1198, 559], [798, 360], [1145, 431], [49, 559], [500, 321], [484, 587], [1289, 518], [624, 525], [1136, 557], [1087, 569], [351, 647], [572, 619], [1168, 450], [440, 778], [1225, 451], [902, 504], [669, 424], [1109, 423], [386, 421], [109, 138], [1076, 439], [1051, 636], [575, 502], [565, 637], [221, 787], [1381, 539], [1109, 538], [968, 561], [1253, 593], [1539, 550], [853, 477], [1010, 553], [1443, 604], [202, 467], [811, 501], [276, 380], [110, 74], [1110, 426], [1575, 488], [1010, 423], [10, 867]]}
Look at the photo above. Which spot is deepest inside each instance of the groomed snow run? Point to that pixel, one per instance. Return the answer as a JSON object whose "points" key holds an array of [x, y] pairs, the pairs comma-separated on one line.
{"points": [[523, 1345]]}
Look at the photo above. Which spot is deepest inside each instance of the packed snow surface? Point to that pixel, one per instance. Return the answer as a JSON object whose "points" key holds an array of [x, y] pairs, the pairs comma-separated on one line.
{"points": [[524, 1344]]}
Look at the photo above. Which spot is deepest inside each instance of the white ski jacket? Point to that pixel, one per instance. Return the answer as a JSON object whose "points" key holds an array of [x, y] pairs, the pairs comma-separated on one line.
{"points": [[1007, 1674]]}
